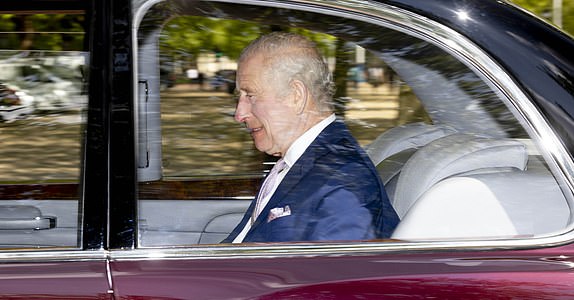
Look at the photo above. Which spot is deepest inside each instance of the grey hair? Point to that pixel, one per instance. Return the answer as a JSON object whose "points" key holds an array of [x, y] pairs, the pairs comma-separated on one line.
{"points": [[288, 57]]}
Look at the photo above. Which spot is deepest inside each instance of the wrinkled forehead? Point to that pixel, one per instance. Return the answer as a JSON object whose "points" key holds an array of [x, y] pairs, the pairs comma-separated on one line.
{"points": [[257, 66], [251, 64], [251, 73]]}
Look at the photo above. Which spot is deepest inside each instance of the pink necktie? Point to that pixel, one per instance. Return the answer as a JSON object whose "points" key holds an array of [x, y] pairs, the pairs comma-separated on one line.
{"points": [[267, 187]]}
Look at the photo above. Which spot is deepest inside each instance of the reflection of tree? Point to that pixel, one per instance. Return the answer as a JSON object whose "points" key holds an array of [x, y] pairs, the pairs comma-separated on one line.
{"points": [[186, 37], [189, 36], [26, 26], [543, 8], [342, 66], [193, 35], [42, 32]]}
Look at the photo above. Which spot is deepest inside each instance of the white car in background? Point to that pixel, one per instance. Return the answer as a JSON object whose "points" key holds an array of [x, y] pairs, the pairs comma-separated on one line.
{"points": [[49, 83], [14, 103]]}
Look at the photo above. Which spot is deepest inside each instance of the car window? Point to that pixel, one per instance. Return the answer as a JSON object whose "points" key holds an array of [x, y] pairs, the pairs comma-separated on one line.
{"points": [[42, 103], [450, 148]]}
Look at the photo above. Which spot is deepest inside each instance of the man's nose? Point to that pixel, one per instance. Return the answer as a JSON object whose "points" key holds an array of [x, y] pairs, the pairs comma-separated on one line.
{"points": [[241, 111]]}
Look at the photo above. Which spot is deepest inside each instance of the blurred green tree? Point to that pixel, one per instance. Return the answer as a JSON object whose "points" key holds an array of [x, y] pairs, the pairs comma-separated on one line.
{"points": [[42, 32], [189, 36], [544, 9]]}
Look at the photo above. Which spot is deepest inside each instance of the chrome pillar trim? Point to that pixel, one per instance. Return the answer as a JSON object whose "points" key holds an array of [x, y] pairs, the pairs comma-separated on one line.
{"points": [[109, 278], [457, 45]]}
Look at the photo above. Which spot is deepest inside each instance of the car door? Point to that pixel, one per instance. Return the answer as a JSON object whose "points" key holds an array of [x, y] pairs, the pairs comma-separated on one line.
{"points": [[480, 176], [46, 237]]}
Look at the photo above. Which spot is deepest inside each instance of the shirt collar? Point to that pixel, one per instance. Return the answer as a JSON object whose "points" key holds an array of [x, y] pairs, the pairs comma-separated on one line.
{"points": [[302, 143]]}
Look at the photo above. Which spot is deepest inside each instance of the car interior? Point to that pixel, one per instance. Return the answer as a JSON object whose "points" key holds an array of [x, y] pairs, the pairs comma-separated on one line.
{"points": [[471, 160], [457, 159]]}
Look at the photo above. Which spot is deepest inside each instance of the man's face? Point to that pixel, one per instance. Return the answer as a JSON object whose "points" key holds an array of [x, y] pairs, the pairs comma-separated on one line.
{"points": [[271, 120]]}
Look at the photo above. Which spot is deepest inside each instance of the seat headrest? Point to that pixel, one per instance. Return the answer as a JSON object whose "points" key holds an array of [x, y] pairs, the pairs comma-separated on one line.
{"points": [[453, 155], [408, 136]]}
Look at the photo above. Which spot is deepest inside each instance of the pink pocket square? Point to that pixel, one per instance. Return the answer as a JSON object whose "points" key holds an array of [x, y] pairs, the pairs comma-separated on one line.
{"points": [[278, 212]]}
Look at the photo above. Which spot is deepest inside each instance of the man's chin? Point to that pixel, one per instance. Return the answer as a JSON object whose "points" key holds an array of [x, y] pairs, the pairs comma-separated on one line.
{"points": [[269, 151], [262, 149]]}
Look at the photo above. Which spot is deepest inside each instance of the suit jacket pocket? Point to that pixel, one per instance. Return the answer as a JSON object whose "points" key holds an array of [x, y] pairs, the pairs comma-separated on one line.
{"points": [[281, 229]]}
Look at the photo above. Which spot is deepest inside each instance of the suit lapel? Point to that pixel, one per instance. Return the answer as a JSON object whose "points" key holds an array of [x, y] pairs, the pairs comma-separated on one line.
{"points": [[246, 217], [304, 164]]}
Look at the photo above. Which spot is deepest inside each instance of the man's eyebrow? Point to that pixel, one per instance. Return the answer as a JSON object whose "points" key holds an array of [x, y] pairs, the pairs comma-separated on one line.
{"points": [[247, 90]]}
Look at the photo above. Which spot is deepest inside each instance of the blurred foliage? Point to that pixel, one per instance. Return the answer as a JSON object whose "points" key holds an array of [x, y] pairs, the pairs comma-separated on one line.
{"points": [[189, 36], [543, 9], [42, 32]]}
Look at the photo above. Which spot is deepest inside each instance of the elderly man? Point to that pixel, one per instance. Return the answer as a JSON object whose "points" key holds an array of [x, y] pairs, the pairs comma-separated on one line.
{"points": [[323, 187]]}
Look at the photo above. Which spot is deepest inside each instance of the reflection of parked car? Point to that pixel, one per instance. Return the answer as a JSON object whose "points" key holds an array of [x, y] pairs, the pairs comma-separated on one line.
{"points": [[8, 96], [13, 104], [49, 88], [484, 185], [50, 91], [223, 79]]}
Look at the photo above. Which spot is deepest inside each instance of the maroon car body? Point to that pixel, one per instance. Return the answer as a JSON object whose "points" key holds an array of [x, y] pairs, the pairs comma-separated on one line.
{"points": [[482, 275]]}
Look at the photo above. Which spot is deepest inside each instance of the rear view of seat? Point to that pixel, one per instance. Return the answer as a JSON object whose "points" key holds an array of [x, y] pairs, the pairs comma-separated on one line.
{"points": [[464, 186], [390, 150], [412, 135]]}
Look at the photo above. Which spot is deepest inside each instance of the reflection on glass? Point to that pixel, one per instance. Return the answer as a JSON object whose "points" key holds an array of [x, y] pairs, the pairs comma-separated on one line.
{"points": [[43, 98], [421, 111], [199, 135], [42, 104]]}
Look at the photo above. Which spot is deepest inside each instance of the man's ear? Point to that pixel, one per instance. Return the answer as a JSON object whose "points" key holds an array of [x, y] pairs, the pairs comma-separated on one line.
{"points": [[300, 95]]}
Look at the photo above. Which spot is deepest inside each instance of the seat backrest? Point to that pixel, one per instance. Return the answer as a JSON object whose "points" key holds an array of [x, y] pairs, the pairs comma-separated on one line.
{"points": [[490, 205], [457, 207], [454, 155], [408, 136]]}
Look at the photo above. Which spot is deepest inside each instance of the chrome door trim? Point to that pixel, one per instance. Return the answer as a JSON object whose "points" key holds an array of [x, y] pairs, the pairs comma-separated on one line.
{"points": [[51, 255], [202, 252]]}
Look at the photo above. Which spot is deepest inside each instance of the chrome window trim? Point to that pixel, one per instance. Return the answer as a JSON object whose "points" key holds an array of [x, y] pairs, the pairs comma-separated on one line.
{"points": [[228, 251], [445, 38]]}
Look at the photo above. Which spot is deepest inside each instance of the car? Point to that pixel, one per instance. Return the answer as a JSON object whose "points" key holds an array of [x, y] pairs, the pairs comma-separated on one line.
{"points": [[47, 90], [470, 125], [13, 103]]}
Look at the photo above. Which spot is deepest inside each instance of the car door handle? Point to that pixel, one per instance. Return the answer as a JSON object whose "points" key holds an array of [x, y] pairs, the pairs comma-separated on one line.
{"points": [[24, 217]]}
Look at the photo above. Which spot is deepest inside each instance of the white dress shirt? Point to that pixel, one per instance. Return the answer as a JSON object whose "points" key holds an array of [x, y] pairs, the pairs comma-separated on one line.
{"points": [[291, 156]]}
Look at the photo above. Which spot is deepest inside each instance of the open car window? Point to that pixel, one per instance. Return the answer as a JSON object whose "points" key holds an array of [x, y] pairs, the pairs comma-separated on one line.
{"points": [[42, 104], [457, 159]]}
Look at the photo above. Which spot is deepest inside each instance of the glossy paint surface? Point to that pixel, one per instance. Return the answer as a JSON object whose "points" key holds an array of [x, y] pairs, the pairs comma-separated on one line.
{"points": [[54, 280], [480, 275]]}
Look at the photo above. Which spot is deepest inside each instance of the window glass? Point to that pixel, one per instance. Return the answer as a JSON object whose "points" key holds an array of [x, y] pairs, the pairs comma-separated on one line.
{"points": [[42, 103], [432, 127]]}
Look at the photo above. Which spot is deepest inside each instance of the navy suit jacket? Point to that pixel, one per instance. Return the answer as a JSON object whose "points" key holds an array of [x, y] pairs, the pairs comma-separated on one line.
{"points": [[333, 192]]}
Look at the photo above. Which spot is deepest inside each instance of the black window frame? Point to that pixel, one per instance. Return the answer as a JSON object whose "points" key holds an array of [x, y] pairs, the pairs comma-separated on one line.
{"points": [[94, 181], [109, 179]]}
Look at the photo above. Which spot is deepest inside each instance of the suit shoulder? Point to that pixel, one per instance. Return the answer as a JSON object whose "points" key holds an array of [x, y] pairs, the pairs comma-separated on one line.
{"points": [[337, 148]]}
